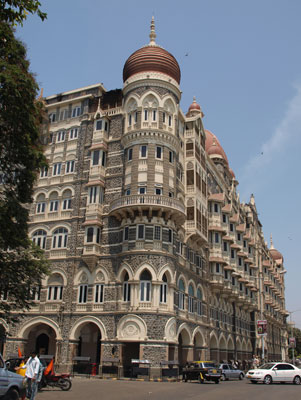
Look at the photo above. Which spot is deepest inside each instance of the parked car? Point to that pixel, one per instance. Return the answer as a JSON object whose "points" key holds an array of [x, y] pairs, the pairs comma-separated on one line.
{"points": [[12, 363], [229, 372], [12, 385], [275, 372], [201, 371]]}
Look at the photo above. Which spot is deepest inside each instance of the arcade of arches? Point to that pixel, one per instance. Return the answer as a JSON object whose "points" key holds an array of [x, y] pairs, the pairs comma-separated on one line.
{"points": [[88, 338]]}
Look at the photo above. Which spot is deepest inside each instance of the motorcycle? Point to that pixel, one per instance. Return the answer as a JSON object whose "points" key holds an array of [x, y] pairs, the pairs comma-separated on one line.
{"points": [[62, 381]]}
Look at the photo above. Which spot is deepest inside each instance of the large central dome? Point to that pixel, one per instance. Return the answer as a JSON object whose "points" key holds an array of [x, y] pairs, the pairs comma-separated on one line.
{"points": [[152, 58]]}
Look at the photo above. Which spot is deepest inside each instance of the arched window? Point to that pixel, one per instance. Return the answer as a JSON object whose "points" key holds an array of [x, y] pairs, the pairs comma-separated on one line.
{"points": [[67, 200], [150, 106], [54, 202], [39, 238], [163, 290], [190, 298], [145, 286], [126, 288], [55, 287], [41, 204], [199, 296], [60, 238], [181, 295]]}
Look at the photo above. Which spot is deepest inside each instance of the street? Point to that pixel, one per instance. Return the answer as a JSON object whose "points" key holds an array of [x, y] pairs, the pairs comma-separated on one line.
{"points": [[131, 390]]}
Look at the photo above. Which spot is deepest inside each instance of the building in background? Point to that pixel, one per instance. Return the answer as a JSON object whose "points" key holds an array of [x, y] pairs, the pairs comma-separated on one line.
{"points": [[152, 254]]}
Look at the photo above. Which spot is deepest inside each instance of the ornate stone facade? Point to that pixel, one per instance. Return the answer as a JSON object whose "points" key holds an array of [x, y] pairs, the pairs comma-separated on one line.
{"points": [[153, 256]]}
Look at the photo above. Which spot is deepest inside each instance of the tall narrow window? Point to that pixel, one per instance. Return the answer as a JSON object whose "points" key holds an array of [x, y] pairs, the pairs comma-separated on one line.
{"points": [[143, 151], [190, 299], [199, 302], [181, 295], [98, 125], [130, 154], [163, 290], [99, 293], [159, 152], [95, 157], [126, 288], [145, 286], [82, 293]]}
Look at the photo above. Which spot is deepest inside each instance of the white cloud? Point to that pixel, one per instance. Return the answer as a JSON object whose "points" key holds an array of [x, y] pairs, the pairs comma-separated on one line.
{"points": [[276, 146]]}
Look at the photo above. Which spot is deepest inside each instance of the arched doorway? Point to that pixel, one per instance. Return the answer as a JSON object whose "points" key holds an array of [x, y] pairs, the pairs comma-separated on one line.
{"points": [[41, 338], [198, 347], [214, 356], [231, 354], [89, 341], [184, 346], [223, 350]]}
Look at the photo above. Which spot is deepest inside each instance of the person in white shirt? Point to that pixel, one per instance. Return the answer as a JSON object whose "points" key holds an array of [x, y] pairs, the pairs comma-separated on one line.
{"points": [[32, 372]]}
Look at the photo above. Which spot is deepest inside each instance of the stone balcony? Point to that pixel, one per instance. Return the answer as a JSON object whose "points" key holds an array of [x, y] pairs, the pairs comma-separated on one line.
{"points": [[217, 282], [173, 208]]}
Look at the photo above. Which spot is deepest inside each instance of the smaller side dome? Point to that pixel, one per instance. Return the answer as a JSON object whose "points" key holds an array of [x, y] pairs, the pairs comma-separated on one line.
{"points": [[276, 255], [213, 147], [194, 109]]}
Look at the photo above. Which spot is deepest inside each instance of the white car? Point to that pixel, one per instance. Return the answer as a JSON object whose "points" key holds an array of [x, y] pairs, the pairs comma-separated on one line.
{"points": [[275, 372]]}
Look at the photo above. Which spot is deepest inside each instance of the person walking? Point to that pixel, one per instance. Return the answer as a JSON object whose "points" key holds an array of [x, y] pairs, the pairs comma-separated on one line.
{"points": [[32, 367]]}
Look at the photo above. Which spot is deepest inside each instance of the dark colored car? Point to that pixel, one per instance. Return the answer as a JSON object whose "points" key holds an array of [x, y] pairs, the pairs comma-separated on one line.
{"points": [[229, 372], [201, 371]]}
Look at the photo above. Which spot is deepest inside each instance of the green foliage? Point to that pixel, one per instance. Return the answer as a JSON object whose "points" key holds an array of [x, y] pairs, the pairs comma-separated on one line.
{"points": [[21, 157], [16, 11]]}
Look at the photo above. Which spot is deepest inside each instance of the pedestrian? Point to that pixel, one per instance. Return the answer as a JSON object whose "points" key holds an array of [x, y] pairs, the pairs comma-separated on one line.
{"points": [[32, 374]]}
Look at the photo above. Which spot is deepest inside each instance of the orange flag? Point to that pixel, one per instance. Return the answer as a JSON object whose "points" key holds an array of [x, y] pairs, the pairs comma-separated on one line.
{"points": [[19, 353], [49, 368]]}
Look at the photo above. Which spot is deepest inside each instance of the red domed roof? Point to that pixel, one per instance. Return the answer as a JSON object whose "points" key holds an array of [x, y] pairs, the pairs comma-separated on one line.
{"points": [[194, 106], [213, 146], [152, 58], [276, 255]]}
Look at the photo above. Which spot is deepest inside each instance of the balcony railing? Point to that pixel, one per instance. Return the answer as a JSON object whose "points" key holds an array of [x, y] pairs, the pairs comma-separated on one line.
{"points": [[147, 200]]}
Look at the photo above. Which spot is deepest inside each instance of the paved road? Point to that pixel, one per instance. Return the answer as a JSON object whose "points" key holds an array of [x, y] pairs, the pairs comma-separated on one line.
{"points": [[86, 389]]}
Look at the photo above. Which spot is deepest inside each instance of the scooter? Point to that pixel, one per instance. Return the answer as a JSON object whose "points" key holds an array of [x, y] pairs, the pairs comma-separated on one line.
{"points": [[62, 381]]}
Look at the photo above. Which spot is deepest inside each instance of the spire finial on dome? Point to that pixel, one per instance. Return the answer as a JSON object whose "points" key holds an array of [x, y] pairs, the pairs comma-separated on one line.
{"points": [[272, 245], [152, 34], [194, 99]]}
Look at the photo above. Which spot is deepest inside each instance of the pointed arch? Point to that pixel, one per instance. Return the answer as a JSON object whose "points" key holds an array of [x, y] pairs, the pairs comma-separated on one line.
{"points": [[230, 343], [222, 342], [123, 269], [213, 340], [147, 267], [170, 331], [185, 333], [198, 337], [166, 269]]}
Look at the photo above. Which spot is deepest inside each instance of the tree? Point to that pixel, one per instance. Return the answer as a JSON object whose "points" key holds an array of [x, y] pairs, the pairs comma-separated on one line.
{"points": [[22, 264], [16, 11]]}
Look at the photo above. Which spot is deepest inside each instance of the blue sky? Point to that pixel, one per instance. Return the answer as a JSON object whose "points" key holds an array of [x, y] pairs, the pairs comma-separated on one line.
{"points": [[243, 66]]}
